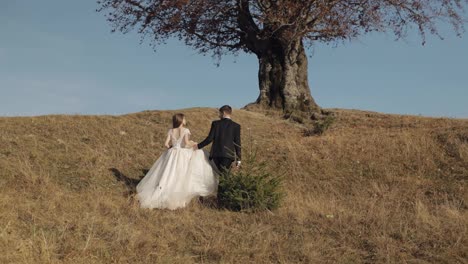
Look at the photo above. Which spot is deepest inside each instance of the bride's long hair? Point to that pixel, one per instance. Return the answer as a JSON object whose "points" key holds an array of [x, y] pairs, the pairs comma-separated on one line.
{"points": [[177, 120]]}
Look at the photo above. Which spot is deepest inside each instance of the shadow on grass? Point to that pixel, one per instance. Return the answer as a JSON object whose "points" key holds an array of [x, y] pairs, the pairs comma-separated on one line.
{"points": [[129, 183]]}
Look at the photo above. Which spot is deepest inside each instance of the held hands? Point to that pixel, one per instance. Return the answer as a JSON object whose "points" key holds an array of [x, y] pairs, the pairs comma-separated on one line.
{"points": [[193, 145]]}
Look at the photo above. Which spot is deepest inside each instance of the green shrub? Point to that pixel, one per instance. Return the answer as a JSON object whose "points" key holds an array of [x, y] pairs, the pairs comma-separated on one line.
{"points": [[250, 188]]}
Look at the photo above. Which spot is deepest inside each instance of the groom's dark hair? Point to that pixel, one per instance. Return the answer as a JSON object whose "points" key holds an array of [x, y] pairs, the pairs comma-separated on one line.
{"points": [[226, 109]]}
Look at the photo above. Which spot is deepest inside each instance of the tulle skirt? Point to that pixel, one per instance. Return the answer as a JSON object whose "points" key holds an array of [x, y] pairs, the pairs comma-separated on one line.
{"points": [[178, 176]]}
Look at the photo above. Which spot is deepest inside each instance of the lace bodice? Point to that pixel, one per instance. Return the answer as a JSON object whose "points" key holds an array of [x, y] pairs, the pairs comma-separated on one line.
{"points": [[176, 139]]}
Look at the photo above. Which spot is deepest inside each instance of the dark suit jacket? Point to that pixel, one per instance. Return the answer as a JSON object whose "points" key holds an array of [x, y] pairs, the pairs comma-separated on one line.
{"points": [[225, 135]]}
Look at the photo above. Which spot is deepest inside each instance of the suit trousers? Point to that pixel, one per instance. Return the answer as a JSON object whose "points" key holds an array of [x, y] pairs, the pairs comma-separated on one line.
{"points": [[223, 164]]}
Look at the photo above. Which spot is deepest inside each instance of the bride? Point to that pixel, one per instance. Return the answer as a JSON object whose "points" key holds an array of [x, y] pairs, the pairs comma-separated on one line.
{"points": [[180, 174]]}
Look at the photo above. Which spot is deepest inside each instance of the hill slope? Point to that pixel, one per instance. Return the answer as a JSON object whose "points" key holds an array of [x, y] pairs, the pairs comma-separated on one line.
{"points": [[374, 188]]}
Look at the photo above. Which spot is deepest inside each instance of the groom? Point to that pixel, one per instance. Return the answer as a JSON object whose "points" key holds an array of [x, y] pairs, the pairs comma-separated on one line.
{"points": [[225, 135]]}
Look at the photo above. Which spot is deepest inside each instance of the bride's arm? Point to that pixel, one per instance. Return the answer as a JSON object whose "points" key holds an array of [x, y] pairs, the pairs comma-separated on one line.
{"points": [[168, 140], [186, 139]]}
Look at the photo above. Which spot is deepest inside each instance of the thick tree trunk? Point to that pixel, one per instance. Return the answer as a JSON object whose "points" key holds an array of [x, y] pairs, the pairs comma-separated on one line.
{"points": [[283, 79]]}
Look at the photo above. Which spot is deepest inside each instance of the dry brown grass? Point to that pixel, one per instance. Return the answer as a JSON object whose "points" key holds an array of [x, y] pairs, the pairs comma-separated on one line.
{"points": [[374, 188]]}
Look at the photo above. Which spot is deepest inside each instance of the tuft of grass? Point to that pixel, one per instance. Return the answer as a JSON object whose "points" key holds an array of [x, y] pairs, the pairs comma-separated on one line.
{"points": [[320, 126], [297, 117]]}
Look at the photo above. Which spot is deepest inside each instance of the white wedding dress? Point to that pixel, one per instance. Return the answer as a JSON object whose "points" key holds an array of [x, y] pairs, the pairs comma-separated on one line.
{"points": [[179, 175]]}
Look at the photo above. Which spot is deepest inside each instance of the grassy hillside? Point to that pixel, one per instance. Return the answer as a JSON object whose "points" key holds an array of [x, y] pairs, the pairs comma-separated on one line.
{"points": [[374, 188]]}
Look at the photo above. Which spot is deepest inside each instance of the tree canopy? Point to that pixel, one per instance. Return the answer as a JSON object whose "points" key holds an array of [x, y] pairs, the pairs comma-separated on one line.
{"points": [[230, 26]]}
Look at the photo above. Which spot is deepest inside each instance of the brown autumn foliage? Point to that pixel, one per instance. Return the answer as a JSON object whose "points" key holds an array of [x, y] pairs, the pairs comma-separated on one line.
{"points": [[374, 188], [278, 32]]}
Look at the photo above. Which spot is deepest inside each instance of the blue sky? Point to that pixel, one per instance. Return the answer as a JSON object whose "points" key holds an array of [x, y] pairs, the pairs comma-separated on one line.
{"points": [[58, 56]]}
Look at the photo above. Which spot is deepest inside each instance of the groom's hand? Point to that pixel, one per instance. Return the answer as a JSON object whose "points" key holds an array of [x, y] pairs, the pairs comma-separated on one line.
{"points": [[195, 147]]}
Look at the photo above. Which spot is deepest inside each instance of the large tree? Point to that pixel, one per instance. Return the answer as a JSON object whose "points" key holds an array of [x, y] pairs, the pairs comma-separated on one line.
{"points": [[277, 31]]}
